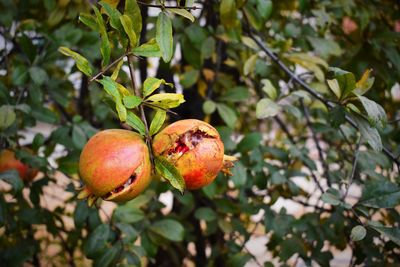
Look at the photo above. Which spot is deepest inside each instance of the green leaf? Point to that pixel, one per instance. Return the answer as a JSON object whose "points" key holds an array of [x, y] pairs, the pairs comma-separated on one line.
{"points": [[149, 49], [105, 48], [169, 229], [151, 84], [227, 114], [109, 255], [208, 47], [371, 135], [164, 36], [79, 137], [393, 233], [7, 116], [331, 196], [135, 122], [376, 114], [157, 121], [345, 81], [96, 240], [38, 75], [205, 214], [209, 107], [337, 116], [128, 213], [81, 62], [132, 101], [239, 176], [380, 194], [182, 12], [19, 75], [166, 100], [334, 86], [264, 7], [227, 11], [81, 214], [358, 233], [133, 11], [114, 15], [266, 108], [12, 177], [253, 16], [250, 64], [324, 47], [269, 89], [127, 24], [236, 94], [89, 21], [111, 87], [189, 78], [239, 259], [249, 142], [170, 173]]}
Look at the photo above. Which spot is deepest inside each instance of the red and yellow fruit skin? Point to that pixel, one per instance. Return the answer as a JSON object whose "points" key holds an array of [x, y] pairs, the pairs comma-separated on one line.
{"points": [[201, 164], [108, 160], [8, 161]]}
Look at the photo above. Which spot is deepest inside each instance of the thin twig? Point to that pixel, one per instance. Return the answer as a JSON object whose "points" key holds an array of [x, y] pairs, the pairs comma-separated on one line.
{"points": [[353, 171], [142, 113], [165, 109], [163, 6], [274, 57], [316, 141], [109, 66]]}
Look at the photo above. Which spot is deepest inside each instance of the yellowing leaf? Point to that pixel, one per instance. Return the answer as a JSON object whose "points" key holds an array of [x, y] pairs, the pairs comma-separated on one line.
{"points": [[250, 64], [365, 83], [115, 73], [81, 62], [127, 25], [151, 84], [166, 100]]}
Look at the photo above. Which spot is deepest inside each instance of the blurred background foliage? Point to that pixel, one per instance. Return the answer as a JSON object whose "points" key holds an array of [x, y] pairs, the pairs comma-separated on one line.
{"points": [[293, 149]]}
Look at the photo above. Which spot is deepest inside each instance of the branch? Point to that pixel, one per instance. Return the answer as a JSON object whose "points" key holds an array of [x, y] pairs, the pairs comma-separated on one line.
{"points": [[274, 57], [109, 66], [353, 171], [316, 141], [166, 7], [142, 114]]}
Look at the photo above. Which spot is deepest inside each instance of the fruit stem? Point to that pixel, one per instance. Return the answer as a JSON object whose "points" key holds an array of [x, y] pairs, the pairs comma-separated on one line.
{"points": [[141, 109]]}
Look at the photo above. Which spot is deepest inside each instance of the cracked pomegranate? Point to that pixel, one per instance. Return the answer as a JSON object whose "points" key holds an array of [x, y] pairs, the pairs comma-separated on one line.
{"points": [[196, 150], [114, 165], [8, 161]]}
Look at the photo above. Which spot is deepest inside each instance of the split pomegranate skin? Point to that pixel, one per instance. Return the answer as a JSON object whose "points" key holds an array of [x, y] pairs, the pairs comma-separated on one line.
{"points": [[115, 165], [195, 148]]}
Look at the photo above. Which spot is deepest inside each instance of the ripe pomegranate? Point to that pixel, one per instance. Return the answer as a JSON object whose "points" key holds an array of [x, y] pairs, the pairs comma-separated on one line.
{"points": [[8, 161], [196, 150], [114, 165]]}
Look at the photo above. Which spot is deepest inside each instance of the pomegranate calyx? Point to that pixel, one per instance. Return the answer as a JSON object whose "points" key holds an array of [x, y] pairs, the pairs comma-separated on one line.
{"points": [[228, 164]]}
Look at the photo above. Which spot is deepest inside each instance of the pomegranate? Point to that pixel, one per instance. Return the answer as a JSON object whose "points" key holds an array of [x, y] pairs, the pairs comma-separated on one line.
{"points": [[114, 165], [195, 149], [8, 161]]}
